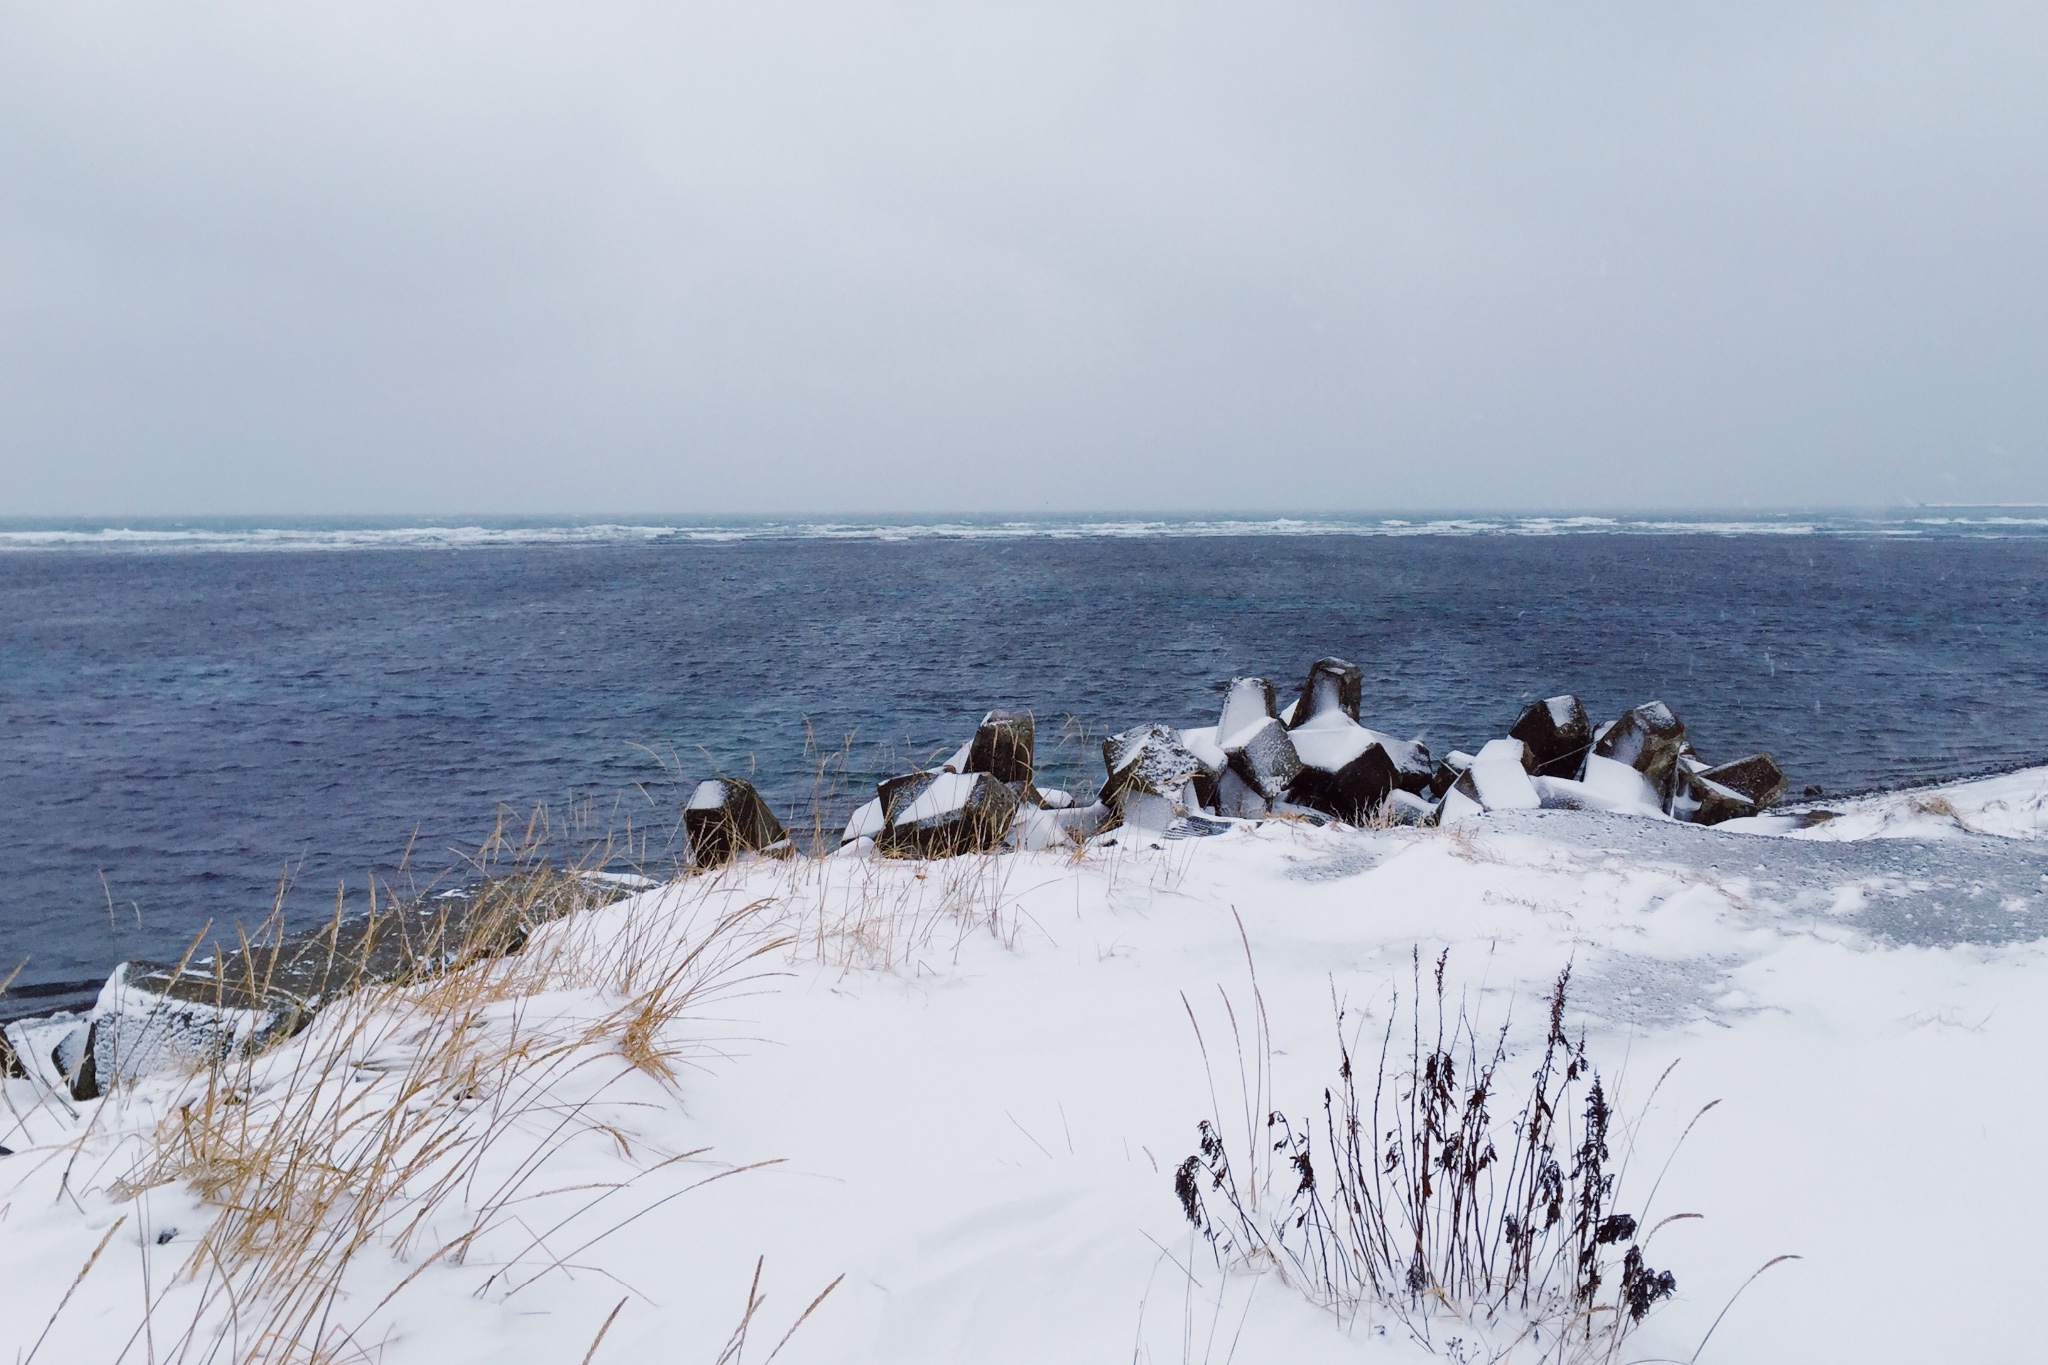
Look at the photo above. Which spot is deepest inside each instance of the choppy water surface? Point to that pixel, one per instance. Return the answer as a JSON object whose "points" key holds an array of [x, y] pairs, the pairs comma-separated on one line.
{"points": [[177, 729]]}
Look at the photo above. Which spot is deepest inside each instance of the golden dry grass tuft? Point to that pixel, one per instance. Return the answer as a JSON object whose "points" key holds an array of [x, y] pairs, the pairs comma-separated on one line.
{"points": [[462, 1050], [413, 1122]]}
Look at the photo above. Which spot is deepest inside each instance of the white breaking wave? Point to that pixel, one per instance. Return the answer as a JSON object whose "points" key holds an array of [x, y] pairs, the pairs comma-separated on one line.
{"points": [[386, 535]]}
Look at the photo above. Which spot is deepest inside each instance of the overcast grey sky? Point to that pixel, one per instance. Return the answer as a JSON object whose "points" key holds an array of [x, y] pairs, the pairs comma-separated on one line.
{"points": [[720, 257]]}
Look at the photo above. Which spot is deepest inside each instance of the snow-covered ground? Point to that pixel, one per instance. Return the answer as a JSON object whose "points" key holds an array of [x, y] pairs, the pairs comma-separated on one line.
{"points": [[2011, 805], [975, 1078]]}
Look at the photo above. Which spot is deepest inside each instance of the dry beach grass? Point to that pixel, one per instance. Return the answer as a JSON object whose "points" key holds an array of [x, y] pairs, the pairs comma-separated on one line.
{"points": [[420, 1117], [415, 1122], [982, 1077], [469, 1131]]}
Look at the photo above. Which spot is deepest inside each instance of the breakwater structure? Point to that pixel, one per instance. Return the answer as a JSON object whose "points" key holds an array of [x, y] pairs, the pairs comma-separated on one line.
{"points": [[1313, 759]]}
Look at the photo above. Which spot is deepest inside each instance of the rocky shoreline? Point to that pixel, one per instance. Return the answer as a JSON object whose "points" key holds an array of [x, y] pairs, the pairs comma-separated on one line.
{"points": [[1313, 759]]}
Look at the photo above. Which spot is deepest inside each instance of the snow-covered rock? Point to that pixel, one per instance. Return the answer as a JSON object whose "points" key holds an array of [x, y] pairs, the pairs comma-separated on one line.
{"points": [[1458, 805], [1406, 808], [1334, 686], [1263, 756], [1254, 744], [1150, 760], [1448, 770], [1557, 732], [1002, 746], [1414, 769], [1562, 793], [1499, 777], [1649, 739], [75, 1057], [1081, 823], [865, 823], [1698, 799], [1733, 791], [940, 814], [727, 817], [1333, 740], [1035, 828], [35, 1045], [1610, 784], [1758, 778], [1500, 752], [1201, 742], [1239, 799], [1150, 813], [151, 1019], [1346, 770], [1246, 702]]}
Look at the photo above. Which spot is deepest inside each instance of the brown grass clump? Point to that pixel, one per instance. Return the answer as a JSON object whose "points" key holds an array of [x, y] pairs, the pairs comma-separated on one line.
{"points": [[1940, 807], [416, 1115]]}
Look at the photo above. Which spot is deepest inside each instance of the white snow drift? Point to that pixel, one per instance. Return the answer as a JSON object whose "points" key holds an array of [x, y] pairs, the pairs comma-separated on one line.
{"points": [[974, 1078]]}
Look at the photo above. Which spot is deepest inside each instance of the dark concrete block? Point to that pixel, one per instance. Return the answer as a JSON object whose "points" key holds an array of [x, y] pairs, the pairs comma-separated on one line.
{"points": [[945, 814], [1648, 739], [1001, 747], [1148, 759], [76, 1060], [727, 817], [1756, 777], [1264, 758], [1350, 793], [1448, 770], [1558, 734], [1333, 685]]}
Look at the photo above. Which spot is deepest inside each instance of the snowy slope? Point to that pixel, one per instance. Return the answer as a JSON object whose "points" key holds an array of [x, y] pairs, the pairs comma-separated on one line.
{"points": [[2009, 806], [976, 1078]]}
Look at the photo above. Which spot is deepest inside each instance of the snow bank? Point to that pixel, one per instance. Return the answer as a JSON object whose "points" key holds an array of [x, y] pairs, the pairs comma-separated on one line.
{"points": [[976, 1077], [2009, 806]]}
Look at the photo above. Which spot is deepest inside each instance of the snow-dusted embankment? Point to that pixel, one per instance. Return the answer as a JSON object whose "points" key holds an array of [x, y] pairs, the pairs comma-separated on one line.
{"points": [[976, 1077]]}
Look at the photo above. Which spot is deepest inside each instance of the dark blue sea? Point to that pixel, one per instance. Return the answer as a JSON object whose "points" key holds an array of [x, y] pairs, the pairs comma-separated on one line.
{"points": [[191, 714]]}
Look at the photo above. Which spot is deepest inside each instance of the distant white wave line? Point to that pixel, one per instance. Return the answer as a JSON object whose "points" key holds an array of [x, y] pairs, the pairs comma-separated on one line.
{"points": [[455, 537]]}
